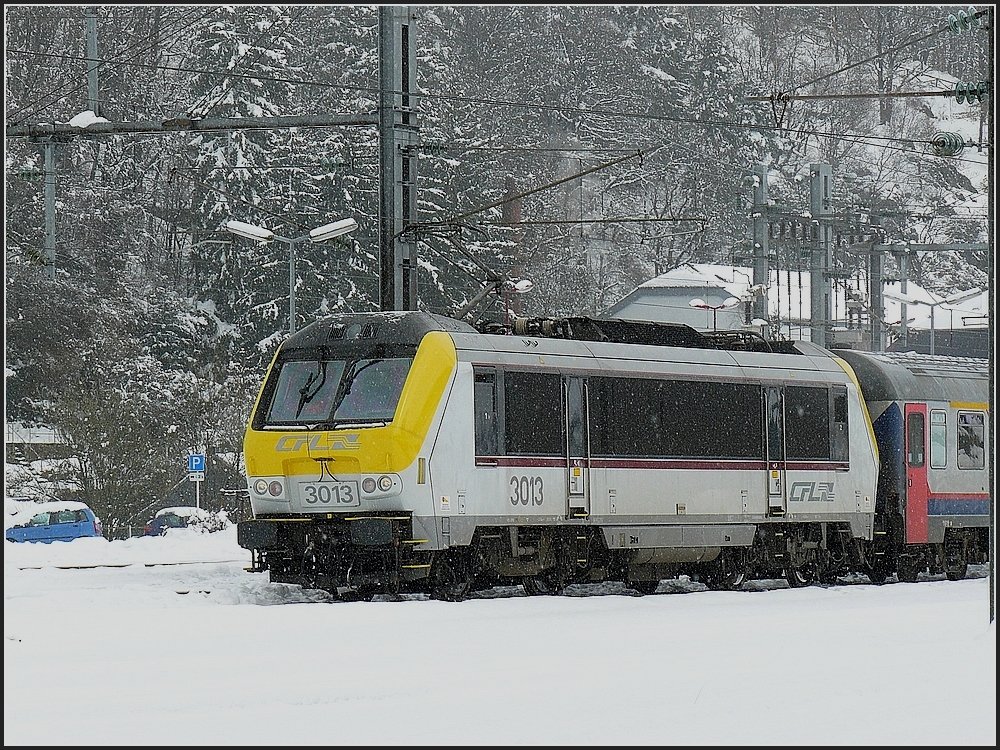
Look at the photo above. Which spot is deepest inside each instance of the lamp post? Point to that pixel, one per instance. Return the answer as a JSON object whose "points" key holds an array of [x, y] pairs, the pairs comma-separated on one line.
{"points": [[726, 304], [952, 300], [319, 234]]}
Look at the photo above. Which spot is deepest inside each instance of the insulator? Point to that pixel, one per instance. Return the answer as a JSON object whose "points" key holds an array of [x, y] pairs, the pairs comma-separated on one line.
{"points": [[970, 91], [964, 20], [947, 144]]}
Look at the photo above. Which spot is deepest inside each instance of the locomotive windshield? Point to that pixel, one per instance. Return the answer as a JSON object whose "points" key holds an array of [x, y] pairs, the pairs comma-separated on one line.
{"points": [[335, 392]]}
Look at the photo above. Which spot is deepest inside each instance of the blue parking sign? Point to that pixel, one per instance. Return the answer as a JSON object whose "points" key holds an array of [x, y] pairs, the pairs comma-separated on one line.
{"points": [[196, 462]]}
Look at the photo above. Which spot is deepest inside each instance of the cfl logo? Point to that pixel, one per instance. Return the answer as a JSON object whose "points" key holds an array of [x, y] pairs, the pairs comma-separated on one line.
{"points": [[294, 443], [811, 492]]}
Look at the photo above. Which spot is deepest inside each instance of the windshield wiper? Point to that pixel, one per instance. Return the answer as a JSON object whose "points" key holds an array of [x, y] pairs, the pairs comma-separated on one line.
{"points": [[305, 395], [347, 381]]}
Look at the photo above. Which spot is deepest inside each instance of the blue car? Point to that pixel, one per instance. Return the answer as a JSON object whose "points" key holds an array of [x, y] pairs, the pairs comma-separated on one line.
{"points": [[166, 519], [58, 522]]}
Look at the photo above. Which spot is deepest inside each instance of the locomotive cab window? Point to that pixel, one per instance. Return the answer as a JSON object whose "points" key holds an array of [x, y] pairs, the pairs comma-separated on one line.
{"points": [[971, 440], [307, 392], [839, 432], [487, 422], [939, 439]]}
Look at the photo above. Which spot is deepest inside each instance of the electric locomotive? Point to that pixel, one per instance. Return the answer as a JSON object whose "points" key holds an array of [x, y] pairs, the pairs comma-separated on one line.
{"points": [[931, 421], [405, 452]]}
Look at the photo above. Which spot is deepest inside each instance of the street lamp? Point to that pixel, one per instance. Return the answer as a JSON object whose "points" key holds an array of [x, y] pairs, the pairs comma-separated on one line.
{"points": [[954, 299], [726, 304], [521, 286], [503, 287], [319, 234]]}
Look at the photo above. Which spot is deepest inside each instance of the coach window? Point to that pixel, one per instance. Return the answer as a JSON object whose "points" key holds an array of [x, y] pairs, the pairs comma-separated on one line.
{"points": [[807, 422], [939, 439], [971, 440], [533, 420], [838, 429], [485, 400]]}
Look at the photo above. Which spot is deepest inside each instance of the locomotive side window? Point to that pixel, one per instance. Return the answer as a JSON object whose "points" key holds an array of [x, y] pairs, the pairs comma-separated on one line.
{"points": [[807, 422], [915, 439], [533, 414], [485, 404], [971, 440], [939, 439], [623, 422], [839, 428], [714, 420], [675, 419]]}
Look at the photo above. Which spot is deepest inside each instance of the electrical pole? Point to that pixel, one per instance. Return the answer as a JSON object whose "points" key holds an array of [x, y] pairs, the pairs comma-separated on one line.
{"points": [[820, 191], [94, 104], [990, 24], [48, 150], [903, 260], [398, 140], [511, 213], [876, 309], [761, 272]]}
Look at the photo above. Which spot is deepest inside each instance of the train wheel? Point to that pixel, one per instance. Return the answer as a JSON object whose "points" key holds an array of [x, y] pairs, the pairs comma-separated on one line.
{"points": [[543, 584], [957, 573], [956, 560], [362, 594], [909, 568], [799, 577], [877, 574], [643, 587], [728, 572], [451, 576]]}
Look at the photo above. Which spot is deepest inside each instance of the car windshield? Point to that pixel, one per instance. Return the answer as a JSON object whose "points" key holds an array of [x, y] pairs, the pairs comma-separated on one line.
{"points": [[335, 391]]}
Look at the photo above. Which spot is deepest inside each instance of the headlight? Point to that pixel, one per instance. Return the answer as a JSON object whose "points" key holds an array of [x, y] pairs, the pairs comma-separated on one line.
{"points": [[368, 484], [260, 486], [385, 483], [274, 488]]}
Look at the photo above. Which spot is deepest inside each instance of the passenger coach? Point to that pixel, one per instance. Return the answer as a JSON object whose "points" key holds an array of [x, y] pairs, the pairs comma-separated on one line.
{"points": [[931, 420]]}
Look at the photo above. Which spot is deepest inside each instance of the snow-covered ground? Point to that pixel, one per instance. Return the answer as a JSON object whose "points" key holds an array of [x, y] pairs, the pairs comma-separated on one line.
{"points": [[168, 640]]}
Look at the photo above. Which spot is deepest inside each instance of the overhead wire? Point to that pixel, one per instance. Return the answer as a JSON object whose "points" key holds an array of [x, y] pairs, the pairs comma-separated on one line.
{"points": [[181, 23], [856, 138], [505, 103]]}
